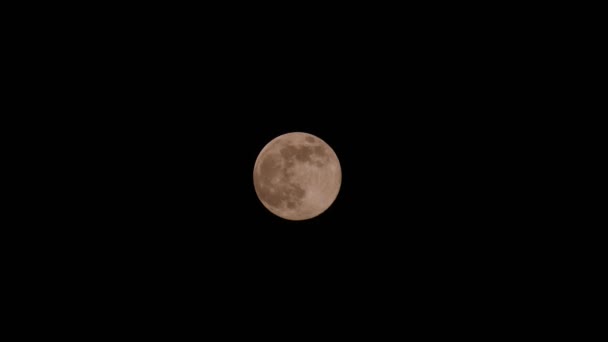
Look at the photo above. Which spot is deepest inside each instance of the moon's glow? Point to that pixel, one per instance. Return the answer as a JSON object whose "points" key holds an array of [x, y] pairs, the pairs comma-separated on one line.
{"points": [[297, 176]]}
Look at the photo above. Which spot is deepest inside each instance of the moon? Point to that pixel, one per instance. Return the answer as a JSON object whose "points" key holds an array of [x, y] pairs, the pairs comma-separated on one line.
{"points": [[297, 176]]}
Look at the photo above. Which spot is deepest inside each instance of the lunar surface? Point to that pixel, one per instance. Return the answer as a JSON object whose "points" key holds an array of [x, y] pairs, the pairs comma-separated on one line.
{"points": [[297, 176]]}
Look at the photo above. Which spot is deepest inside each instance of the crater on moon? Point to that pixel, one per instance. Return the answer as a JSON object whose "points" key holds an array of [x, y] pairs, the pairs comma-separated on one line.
{"points": [[297, 176]]}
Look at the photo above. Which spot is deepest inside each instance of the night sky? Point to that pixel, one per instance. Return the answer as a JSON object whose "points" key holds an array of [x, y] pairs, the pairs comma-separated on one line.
{"points": [[173, 128], [153, 179]]}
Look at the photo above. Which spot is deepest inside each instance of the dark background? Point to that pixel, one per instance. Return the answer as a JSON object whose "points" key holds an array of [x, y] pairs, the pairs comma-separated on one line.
{"points": [[159, 121], [175, 119]]}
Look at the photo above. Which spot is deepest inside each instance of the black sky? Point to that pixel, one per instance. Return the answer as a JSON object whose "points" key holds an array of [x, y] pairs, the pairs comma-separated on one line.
{"points": [[156, 159], [176, 117]]}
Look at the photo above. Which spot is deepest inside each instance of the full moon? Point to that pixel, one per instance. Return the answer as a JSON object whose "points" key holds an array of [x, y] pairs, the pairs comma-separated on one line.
{"points": [[297, 176]]}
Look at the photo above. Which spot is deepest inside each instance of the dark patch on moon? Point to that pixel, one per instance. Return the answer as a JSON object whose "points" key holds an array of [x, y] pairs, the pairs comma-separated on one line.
{"points": [[320, 151], [310, 139], [287, 173], [291, 194], [270, 167], [265, 193], [301, 153], [297, 191], [284, 192]]}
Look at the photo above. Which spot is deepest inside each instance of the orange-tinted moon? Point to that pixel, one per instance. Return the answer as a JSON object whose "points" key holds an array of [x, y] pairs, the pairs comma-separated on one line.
{"points": [[297, 176]]}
